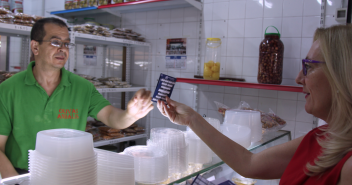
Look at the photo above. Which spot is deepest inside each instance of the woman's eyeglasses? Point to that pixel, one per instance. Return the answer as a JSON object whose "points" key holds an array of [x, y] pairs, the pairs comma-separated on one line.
{"points": [[305, 65]]}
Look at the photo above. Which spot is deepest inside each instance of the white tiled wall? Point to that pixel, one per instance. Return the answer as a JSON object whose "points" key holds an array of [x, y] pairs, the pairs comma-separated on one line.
{"points": [[241, 25]]}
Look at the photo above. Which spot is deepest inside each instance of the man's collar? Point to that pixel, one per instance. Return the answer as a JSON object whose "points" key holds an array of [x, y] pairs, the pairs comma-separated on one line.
{"points": [[30, 80]]}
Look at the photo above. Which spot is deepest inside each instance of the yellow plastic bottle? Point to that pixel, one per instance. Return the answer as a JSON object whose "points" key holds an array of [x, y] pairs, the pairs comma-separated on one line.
{"points": [[212, 63]]}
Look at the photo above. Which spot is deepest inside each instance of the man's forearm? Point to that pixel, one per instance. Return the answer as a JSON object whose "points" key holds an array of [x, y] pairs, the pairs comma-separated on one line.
{"points": [[119, 119], [6, 168]]}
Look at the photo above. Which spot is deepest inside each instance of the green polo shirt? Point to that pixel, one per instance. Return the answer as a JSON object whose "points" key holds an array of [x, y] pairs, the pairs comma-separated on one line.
{"points": [[26, 109]]}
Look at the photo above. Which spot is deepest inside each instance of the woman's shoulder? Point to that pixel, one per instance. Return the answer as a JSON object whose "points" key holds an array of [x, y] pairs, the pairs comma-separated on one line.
{"points": [[346, 177]]}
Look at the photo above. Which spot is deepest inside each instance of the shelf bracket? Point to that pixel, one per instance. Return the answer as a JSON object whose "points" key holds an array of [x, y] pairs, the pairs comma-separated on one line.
{"points": [[195, 3], [113, 12]]}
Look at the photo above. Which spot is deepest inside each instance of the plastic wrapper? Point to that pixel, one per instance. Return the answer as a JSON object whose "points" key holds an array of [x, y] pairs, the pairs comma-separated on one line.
{"points": [[105, 137], [37, 18], [129, 133], [23, 16], [109, 129], [133, 126], [270, 121], [7, 21], [102, 86], [98, 123], [7, 16]]}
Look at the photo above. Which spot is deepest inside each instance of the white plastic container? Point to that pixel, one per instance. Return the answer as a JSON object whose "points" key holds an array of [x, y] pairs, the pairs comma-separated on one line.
{"points": [[150, 164], [249, 118], [65, 144], [239, 134]]}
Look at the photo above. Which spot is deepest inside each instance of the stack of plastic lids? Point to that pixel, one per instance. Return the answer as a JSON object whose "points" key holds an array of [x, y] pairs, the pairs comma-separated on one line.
{"points": [[63, 156], [150, 164], [198, 151], [174, 143], [115, 168], [248, 118]]}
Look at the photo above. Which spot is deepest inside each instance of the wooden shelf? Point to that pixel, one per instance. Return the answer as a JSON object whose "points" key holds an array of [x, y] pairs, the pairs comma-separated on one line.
{"points": [[241, 84]]}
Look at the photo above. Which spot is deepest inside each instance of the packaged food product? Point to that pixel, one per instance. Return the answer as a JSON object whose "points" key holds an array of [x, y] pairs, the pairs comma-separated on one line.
{"points": [[76, 4], [4, 10], [116, 1], [271, 55], [5, 4], [212, 59], [17, 6], [103, 2], [98, 123], [165, 81], [93, 2], [68, 4], [109, 129], [84, 3], [112, 134]]}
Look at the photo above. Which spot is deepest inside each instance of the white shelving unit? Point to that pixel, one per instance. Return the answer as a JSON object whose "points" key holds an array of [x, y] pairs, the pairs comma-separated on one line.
{"points": [[115, 90]]}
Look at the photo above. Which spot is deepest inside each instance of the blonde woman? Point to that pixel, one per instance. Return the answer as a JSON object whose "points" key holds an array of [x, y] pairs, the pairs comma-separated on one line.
{"points": [[323, 156]]}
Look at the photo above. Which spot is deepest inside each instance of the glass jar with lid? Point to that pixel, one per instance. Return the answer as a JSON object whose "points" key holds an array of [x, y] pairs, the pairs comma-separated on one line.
{"points": [[271, 55], [212, 59]]}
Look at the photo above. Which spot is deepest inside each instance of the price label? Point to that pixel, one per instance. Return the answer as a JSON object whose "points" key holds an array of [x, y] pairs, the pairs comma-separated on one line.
{"points": [[127, 41], [113, 141], [98, 37], [24, 28]]}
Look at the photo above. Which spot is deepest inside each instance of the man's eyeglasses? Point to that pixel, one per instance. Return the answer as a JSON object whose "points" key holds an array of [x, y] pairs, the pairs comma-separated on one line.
{"points": [[305, 66], [58, 43]]}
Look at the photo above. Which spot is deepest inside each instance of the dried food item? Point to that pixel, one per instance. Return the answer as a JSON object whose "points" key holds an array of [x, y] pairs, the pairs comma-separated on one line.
{"points": [[98, 123], [4, 10], [139, 129], [89, 126], [128, 130], [7, 21], [271, 55], [109, 129], [37, 18], [105, 137], [129, 134], [267, 121], [140, 132], [113, 134], [127, 86], [95, 82], [109, 79], [101, 86]]}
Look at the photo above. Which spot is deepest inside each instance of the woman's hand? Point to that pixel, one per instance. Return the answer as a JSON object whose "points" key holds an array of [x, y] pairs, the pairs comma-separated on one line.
{"points": [[178, 113]]}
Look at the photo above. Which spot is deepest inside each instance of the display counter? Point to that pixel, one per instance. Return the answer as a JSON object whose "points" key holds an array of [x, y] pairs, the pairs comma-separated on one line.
{"points": [[217, 168]]}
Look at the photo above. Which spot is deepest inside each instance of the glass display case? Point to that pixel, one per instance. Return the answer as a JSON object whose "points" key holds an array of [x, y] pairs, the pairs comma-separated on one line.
{"points": [[217, 168]]}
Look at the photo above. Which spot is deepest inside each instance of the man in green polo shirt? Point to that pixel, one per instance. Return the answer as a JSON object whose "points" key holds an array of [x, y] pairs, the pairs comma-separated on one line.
{"points": [[46, 96]]}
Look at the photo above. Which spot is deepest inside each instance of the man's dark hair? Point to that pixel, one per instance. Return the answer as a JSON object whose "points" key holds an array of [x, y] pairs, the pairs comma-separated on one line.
{"points": [[38, 32]]}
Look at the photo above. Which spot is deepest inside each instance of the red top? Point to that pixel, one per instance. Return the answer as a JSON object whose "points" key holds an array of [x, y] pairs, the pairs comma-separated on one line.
{"points": [[307, 151]]}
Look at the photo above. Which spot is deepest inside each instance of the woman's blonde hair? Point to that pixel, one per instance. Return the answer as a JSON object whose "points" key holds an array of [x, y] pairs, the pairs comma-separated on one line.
{"points": [[336, 48]]}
